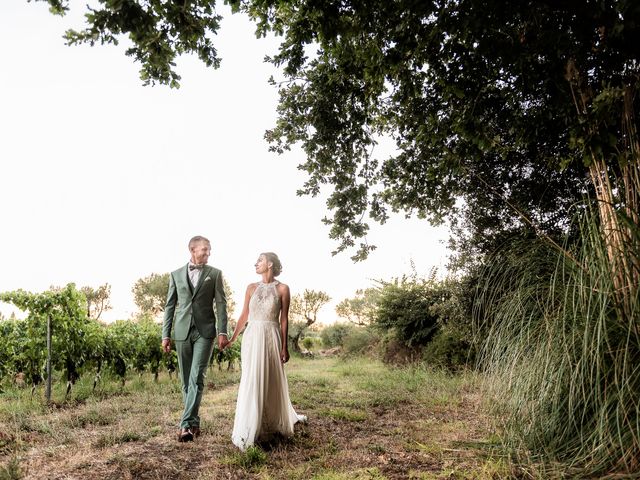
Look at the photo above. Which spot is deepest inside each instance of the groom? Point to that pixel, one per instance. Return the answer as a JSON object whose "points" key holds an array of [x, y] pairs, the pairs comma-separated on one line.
{"points": [[195, 291]]}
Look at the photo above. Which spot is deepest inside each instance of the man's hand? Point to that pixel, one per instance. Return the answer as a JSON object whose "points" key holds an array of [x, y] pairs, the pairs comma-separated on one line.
{"points": [[166, 345], [222, 342]]}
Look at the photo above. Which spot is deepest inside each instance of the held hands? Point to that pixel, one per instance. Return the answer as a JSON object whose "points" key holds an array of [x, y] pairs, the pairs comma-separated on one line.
{"points": [[223, 342]]}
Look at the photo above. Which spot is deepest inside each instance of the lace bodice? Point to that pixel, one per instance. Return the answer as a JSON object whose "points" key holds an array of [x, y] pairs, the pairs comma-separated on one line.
{"points": [[264, 305]]}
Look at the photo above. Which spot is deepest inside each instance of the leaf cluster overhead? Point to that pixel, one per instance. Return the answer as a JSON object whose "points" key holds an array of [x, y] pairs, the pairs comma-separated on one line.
{"points": [[479, 96]]}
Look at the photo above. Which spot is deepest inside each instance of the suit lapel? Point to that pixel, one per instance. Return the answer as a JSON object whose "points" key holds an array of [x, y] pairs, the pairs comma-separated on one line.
{"points": [[185, 277]]}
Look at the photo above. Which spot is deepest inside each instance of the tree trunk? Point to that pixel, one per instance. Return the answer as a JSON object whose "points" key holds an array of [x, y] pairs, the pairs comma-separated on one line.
{"points": [[618, 197], [294, 342]]}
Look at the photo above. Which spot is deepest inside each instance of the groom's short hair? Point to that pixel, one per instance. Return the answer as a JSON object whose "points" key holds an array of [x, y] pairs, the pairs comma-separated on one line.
{"points": [[198, 239]]}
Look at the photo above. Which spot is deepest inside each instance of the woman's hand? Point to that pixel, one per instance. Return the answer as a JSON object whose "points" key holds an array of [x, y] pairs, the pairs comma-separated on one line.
{"points": [[284, 355]]}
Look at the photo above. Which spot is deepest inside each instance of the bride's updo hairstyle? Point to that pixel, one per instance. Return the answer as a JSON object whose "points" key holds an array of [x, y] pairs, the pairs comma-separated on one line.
{"points": [[275, 261]]}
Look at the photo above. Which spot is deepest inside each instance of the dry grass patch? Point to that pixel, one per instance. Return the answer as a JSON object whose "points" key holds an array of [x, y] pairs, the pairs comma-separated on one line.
{"points": [[366, 421]]}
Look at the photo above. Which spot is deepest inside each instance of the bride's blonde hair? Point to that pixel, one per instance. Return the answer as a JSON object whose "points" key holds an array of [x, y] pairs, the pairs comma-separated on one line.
{"points": [[275, 261]]}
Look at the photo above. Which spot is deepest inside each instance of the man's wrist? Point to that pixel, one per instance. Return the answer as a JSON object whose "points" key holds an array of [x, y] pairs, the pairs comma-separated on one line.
{"points": [[223, 334]]}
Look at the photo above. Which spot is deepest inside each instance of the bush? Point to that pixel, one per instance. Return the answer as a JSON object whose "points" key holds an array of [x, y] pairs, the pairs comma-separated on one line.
{"points": [[360, 341], [308, 343], [404, 308], [334, 335], [427, 319], [396, 352], [449, 350]]}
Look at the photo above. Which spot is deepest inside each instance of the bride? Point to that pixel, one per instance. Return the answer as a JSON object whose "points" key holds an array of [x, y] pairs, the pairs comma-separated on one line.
{"points": [[263, 407]]}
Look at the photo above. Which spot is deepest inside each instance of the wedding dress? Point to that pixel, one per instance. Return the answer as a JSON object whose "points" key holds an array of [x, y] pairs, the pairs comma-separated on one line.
{"points": [[263, 407]]}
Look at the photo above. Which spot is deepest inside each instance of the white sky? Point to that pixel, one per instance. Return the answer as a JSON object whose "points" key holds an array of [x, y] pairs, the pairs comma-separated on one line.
{"points": [[104, 180]]}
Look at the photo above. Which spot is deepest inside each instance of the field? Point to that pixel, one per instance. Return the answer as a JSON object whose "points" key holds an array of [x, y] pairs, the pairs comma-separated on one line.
{"points": [[366, 421]]}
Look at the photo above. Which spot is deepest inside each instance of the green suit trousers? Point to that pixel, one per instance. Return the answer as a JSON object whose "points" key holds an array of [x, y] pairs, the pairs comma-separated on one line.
{"points": [[193, 357]]}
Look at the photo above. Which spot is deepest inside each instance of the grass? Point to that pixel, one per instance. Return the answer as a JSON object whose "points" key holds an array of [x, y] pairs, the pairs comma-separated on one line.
{"points": [[366, 421], [250, 460], [563, 355], [11, 470]]}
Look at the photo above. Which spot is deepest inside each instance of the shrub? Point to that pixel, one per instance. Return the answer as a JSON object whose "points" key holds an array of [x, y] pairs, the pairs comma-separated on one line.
{"points": [[415, 313], [360, 341], [308, 343], [399, 353], [404, 308], [450, 350], [333, 335]]}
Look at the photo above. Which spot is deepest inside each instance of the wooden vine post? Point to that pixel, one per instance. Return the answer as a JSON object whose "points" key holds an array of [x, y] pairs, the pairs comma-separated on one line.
{"points": [[48, 388]]}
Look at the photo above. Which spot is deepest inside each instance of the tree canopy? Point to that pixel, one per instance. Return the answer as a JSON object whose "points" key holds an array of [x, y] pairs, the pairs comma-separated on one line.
{"points": [[359, 310], [303, 312], [150, 294], [98, 300], [504, 114]]}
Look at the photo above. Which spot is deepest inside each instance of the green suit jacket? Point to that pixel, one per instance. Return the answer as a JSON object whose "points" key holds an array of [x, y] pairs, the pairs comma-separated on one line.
{"points": [[203, 304]]}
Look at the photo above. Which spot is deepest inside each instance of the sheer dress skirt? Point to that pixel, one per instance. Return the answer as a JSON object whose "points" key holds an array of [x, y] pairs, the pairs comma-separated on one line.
{"points": [[263, 407]]}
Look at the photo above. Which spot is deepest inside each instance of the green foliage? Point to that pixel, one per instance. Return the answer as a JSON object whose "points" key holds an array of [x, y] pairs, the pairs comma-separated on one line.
{"points": [[170, 361], [360, 341], [7, 346], [121, 347], [66, 309], [150, 293], [230, 355], [79, 344], [562, 354], [303, 312], [454, 345], [308, 343], [158, 31], [404, 307], [428, 319], [359, 310], [333, 335], [97, 300], [475, 95], [449, 349], [148, 350]]}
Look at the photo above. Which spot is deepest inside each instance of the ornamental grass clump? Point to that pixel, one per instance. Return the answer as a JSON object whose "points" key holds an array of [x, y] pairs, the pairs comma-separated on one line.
{"points": [[562, 351]]}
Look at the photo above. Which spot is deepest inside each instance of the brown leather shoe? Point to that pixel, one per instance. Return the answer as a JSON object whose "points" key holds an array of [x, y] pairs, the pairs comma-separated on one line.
{"points": [[195, 431], [185, 435]]}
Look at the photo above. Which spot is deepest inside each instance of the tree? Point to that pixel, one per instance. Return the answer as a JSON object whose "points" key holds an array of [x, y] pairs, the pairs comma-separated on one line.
{"points": [[158, 31], [150, 293], [304, 313], [474, 94], [500, 111], [228, 292], [359, 310], [98, 300]]}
